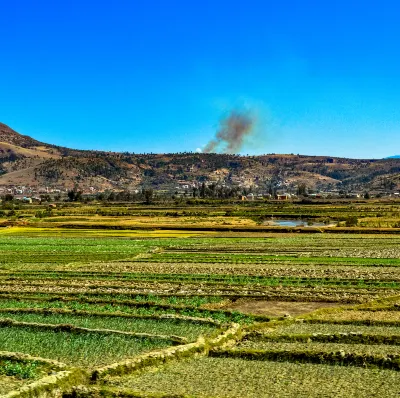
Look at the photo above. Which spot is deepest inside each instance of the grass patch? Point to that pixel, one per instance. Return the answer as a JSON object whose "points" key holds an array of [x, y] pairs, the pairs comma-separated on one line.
{"points": [[87, 350], [153, 326]]}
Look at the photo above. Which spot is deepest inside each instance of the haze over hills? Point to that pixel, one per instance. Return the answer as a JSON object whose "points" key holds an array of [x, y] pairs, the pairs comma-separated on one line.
{"points": [[25, 161]]}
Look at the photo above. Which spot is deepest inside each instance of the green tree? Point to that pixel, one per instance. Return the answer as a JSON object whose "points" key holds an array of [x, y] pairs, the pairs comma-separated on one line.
{"points": [[148, 195], [302, 189]]}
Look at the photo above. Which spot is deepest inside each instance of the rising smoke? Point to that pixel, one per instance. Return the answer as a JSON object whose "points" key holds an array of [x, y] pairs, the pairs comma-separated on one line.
{"points": [[232, 133]]}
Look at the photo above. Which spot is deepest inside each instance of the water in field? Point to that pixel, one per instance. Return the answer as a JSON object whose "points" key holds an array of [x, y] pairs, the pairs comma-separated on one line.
{"points": [[293, 223]]}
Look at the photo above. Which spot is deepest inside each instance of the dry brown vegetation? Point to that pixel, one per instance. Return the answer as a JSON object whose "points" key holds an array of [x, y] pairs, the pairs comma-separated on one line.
{"points": [[43, 165]]}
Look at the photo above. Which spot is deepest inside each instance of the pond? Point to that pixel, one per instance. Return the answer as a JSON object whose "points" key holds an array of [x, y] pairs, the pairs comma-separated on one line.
{"points": [[294, 223]]}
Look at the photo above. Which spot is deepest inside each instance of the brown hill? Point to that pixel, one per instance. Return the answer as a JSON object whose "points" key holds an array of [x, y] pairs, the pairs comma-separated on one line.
{"points": [[25, 161], [10, 136]]}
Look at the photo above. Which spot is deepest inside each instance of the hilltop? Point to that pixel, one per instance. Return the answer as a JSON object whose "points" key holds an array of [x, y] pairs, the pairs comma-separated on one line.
{"points": [[25, 161]]}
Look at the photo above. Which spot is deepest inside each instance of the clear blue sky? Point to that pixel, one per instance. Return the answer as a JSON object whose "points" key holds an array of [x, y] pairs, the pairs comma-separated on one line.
{"points": [[155, 76]]}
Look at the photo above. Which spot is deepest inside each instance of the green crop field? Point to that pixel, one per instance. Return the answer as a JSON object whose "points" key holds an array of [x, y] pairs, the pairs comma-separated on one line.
{"points": [[92, 310]]}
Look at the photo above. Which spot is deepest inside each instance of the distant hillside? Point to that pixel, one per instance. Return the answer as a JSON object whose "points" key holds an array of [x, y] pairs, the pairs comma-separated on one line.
{"points": [[12, 137], [26, 161]]}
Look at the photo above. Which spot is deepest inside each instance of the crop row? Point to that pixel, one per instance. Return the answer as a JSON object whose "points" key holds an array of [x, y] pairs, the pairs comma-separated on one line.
{"points": [[187, 302], [64, 327], [104, 316], [342, 338], [257, 259], [130, 307], [356, 317], [204, 279], [304, 328], [129, 270], [303, 354], [177, 287], [325, 294]]}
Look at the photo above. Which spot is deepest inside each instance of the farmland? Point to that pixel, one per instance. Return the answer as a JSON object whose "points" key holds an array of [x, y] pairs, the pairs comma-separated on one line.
{"points": [[93, 303], [231, 377]]}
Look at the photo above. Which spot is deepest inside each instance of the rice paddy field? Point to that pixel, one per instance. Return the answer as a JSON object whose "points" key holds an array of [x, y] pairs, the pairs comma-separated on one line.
{"points": [[214, 377], [87, 312]]}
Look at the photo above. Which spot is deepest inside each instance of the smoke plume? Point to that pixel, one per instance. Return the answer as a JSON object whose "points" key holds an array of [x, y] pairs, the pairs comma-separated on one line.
{"points": [[233, 130]]}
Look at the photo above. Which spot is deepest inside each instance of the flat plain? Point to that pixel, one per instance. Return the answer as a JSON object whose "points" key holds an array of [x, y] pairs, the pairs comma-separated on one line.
{"points": [[92, 310]]}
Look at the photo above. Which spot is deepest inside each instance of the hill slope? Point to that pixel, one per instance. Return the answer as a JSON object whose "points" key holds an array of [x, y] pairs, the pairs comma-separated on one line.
{"points": [[26, 161]]}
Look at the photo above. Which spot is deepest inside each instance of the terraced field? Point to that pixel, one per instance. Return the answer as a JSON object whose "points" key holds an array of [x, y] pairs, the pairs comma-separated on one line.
{"points": [[275, 312], [232, 377]]}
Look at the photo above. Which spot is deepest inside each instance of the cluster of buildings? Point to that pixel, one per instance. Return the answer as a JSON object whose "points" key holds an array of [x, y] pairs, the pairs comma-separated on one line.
{"points": [[29, 194], [247, 191]]}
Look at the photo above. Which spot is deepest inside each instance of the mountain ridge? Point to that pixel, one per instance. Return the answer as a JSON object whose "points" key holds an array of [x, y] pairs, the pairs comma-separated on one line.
{"points": [[29, 162]]}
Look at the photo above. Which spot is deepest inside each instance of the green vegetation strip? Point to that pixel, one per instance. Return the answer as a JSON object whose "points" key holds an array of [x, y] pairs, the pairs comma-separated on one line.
{"points": [[320, 357], [107, 314], [21, 370], [189, 330], [23, 357], [194, 301], [186, 256], [148, 307], [4, 322], [324, 294], [84, 350]]}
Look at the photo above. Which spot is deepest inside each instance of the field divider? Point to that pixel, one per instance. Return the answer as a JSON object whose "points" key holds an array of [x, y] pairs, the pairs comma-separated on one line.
{"points": [[116, 314], [64, 377], [221, 228], [7, 322], [237, 279], [393, 307], [359, 322], [256, 290], [350, 337], [106, 391], [155, 358], [318, 357], [52, 385], [22, 357], [308, 295]]}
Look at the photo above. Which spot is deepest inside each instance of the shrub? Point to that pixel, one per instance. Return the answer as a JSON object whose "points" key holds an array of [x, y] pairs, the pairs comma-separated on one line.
{"points": [[20, 370], [351, 221]]}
